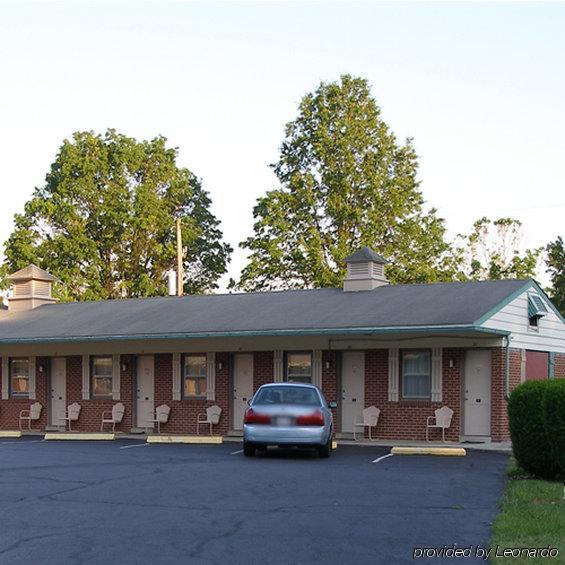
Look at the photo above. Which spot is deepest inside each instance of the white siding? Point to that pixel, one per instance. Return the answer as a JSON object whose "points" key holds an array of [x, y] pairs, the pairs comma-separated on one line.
{"points": [[550, 334]]}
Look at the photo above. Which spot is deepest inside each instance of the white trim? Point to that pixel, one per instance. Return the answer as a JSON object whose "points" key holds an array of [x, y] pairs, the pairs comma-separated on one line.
{"points": [[317, 368], [278, 366], [211, 375], [116, 376], [393, 374], [176, 376], [31, 378], [85, 377], [5, 377], [522, 365], [437, 370]]}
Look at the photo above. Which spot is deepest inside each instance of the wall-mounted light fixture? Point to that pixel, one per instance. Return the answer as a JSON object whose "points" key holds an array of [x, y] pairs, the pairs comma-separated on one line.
{"points": [[451, 363], [220, 365], [125, 366], [42, 368], [328, 364]]}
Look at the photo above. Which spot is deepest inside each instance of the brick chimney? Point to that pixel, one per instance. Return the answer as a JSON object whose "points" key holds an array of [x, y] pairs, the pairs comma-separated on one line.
{"points": [[31, 288], [365, 271]]}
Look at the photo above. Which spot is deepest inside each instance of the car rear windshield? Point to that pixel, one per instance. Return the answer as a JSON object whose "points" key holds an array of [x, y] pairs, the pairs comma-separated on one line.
{"points": [[303, 396]]}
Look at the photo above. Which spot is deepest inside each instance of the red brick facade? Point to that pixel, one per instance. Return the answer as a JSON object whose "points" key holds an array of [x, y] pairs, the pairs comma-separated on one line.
{"points": [[398, 420]]}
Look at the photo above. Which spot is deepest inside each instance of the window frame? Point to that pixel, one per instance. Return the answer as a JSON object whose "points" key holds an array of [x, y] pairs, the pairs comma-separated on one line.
{"points": [[427, 398], [13, 394], [184, 377], [286, 358], [93, 377]]}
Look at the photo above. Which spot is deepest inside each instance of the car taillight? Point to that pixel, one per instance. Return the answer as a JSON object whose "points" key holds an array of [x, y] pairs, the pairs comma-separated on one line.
{"points": [[314, 419], [252, 417]]}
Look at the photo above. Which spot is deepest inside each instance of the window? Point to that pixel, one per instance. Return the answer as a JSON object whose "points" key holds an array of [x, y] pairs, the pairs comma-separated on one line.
{"points": [[195, 372], [19, 376], [299, 367], [102, 377], [416, 374], [300, 396]]}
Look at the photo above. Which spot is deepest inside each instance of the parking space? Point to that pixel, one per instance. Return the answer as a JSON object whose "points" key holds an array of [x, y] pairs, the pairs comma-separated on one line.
{"points": [[128, 502]]}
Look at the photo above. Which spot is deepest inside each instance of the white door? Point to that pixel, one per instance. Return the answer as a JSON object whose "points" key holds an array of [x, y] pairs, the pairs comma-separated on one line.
{"points": [[145, 400], [58, 388], [352, 389], [242, 386], [477, 393]]}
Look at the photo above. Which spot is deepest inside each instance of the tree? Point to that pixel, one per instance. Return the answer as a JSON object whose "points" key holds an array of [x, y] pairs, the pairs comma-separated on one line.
{"points": [[103, 222], [492, 251], [345, 182], [555, 262]]}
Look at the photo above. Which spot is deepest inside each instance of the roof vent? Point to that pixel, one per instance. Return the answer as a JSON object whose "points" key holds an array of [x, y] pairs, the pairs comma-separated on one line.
{"points": [[31, 288], [365, 271]]}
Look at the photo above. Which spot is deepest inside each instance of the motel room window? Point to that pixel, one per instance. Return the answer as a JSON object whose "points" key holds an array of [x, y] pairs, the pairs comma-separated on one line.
{"points": [[19, 376], [102, 377], [195, 375], [299, 367], [416, 375]]}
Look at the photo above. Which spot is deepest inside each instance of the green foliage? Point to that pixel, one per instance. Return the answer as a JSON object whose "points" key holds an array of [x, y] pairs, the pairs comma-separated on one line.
{"points": [[536, 412], [345, 182], [103, 222], [556, 268], [492, 251]]}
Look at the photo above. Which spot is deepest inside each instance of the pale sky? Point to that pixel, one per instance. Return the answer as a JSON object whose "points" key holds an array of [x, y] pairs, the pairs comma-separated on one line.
{"points": [[480, 88]]}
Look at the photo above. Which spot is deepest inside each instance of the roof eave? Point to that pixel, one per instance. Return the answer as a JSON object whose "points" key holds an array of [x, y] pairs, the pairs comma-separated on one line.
{"points": [[451, 329]]}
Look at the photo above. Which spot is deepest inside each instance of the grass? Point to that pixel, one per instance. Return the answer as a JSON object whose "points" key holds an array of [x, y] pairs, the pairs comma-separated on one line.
{"points": [[532, 515]]}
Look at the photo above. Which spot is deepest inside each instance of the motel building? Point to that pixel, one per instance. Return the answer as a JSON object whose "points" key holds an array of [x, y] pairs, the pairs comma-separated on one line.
{"points": [[406, 349]]}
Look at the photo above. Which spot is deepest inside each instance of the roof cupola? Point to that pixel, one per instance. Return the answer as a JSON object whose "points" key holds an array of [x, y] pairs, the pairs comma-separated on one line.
{"points": [[31, 288], [365, 270]]}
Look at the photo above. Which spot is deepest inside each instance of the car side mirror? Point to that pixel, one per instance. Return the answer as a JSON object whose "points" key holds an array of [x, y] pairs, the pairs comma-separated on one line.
{"points": [[332, 404], [249, 402]]}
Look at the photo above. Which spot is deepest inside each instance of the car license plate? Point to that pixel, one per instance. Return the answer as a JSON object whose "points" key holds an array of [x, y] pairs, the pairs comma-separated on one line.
{"points": [[284, 421]]}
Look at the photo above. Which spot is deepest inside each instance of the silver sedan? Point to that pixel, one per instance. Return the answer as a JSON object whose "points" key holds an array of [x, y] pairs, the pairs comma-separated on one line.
{"points": [[288, 414]]}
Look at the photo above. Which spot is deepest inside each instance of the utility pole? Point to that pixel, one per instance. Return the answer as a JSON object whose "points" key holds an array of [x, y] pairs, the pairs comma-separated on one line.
{"points": [[179, 259]]}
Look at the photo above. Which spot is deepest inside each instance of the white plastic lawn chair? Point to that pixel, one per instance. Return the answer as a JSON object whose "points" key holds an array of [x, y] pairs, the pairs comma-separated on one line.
{"points": [[71, 415], [161, 416], [34, 413], [442, 419], [211, 418], [115, 416], [370, 420]]}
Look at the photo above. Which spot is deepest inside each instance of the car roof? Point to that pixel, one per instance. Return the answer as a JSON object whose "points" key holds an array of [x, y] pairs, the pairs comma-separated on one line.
{"points": [[297, 385]]}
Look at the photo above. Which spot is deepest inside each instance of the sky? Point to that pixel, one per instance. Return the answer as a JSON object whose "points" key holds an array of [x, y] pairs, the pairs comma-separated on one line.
{"points": [[480, 87]]}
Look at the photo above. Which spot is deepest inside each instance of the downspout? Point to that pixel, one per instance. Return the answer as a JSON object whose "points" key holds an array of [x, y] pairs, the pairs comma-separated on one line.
{"points": [[507, 367]]}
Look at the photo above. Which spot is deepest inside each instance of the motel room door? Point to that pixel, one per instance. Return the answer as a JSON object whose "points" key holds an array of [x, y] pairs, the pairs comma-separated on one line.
{"points": [[352, 388], [477, 392], [58, 391], [145, 403], [242, 386]]}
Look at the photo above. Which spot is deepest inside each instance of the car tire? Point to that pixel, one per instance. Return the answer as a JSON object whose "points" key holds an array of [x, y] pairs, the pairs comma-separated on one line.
{"points": [[325, 450], [248, 449]]}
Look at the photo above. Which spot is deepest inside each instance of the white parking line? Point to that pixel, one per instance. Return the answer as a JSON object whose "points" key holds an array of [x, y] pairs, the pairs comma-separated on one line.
{"points": [[236, 452], [137, 445], [383, 457]]}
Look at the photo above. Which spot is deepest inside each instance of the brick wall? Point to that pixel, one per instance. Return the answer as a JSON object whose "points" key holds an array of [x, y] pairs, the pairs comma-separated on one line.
{"points": [[91, 410], [499, 405], [330, 370], [406, 419], [184, 413], [559, 368], [10, 407], [263, 368]]}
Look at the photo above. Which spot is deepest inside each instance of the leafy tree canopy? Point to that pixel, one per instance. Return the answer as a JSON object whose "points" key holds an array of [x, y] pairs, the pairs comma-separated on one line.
{"points": [[103, 223], [492, 251], [555, 262], [345, 182]]}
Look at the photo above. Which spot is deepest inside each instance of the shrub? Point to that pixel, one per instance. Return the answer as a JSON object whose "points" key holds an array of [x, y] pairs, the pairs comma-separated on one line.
{"points": [[536, 412]]}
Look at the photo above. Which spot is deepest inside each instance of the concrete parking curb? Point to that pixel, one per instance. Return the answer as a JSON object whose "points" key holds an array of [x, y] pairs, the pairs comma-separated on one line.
{"points": [[10, 433], [444, 451], [185, 439], [79, 436]]}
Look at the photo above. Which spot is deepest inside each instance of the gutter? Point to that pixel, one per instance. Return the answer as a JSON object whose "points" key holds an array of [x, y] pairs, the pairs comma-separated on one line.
{"points": [[260, 333], [507, 367]]}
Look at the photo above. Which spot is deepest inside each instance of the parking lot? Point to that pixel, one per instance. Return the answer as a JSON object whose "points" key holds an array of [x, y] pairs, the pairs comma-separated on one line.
{"points": [[129, 502]]}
